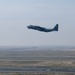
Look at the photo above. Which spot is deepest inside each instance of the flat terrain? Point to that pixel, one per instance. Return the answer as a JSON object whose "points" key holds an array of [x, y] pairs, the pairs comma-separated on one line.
{"points": [[33, 61]]}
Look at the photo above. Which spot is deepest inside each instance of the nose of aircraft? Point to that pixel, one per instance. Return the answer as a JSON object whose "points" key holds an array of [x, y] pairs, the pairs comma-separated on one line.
{"points": [[28, 27]]}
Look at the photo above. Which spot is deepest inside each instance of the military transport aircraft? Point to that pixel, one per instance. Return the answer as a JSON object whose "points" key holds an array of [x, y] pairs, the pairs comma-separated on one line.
{"points": [[43, 29]]}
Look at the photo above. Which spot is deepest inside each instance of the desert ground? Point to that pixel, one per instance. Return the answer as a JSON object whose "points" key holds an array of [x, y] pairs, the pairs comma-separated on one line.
{"points": [[22, 57]]}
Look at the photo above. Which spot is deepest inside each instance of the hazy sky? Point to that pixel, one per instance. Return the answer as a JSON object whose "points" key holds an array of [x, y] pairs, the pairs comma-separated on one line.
{"points": [[15, 15]]}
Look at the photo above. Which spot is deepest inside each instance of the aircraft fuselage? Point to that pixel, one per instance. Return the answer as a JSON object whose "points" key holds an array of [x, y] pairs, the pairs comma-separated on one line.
{"points": [[43, 29]]}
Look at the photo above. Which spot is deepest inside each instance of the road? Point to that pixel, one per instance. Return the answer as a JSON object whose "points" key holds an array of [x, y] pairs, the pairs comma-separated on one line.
{"points": [[38, 70]]}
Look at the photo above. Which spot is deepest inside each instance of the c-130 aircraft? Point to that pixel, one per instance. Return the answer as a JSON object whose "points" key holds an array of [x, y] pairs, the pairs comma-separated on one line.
{"points": [[43, 29]]}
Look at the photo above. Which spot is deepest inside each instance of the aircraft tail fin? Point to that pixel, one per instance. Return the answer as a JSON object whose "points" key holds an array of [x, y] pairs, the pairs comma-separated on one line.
{"points": [[56, 27]]}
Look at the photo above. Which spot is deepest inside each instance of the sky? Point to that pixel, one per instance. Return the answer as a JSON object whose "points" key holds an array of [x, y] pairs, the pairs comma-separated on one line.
{"points": [[16, 15]]}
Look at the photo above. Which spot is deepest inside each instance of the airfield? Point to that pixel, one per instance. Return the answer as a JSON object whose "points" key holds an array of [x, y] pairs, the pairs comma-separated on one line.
{"points": [[37, 61]]}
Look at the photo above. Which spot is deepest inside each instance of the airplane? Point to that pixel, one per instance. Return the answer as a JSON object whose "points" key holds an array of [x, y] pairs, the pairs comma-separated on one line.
{"points": [[43, 29]]}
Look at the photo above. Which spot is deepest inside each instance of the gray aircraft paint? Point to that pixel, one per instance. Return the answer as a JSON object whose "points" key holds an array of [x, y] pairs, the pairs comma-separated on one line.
{"points": [[43, 29]]}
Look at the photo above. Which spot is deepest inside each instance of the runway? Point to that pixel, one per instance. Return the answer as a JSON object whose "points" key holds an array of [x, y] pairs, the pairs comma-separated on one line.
{"points": [[37, 70]]}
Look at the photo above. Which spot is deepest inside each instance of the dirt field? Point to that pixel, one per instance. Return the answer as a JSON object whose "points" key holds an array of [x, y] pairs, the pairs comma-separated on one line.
{"points": [[23, 58]]}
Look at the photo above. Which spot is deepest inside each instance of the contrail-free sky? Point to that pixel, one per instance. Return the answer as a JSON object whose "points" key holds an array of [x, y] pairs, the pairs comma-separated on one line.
{"points": [[15, 15]]}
